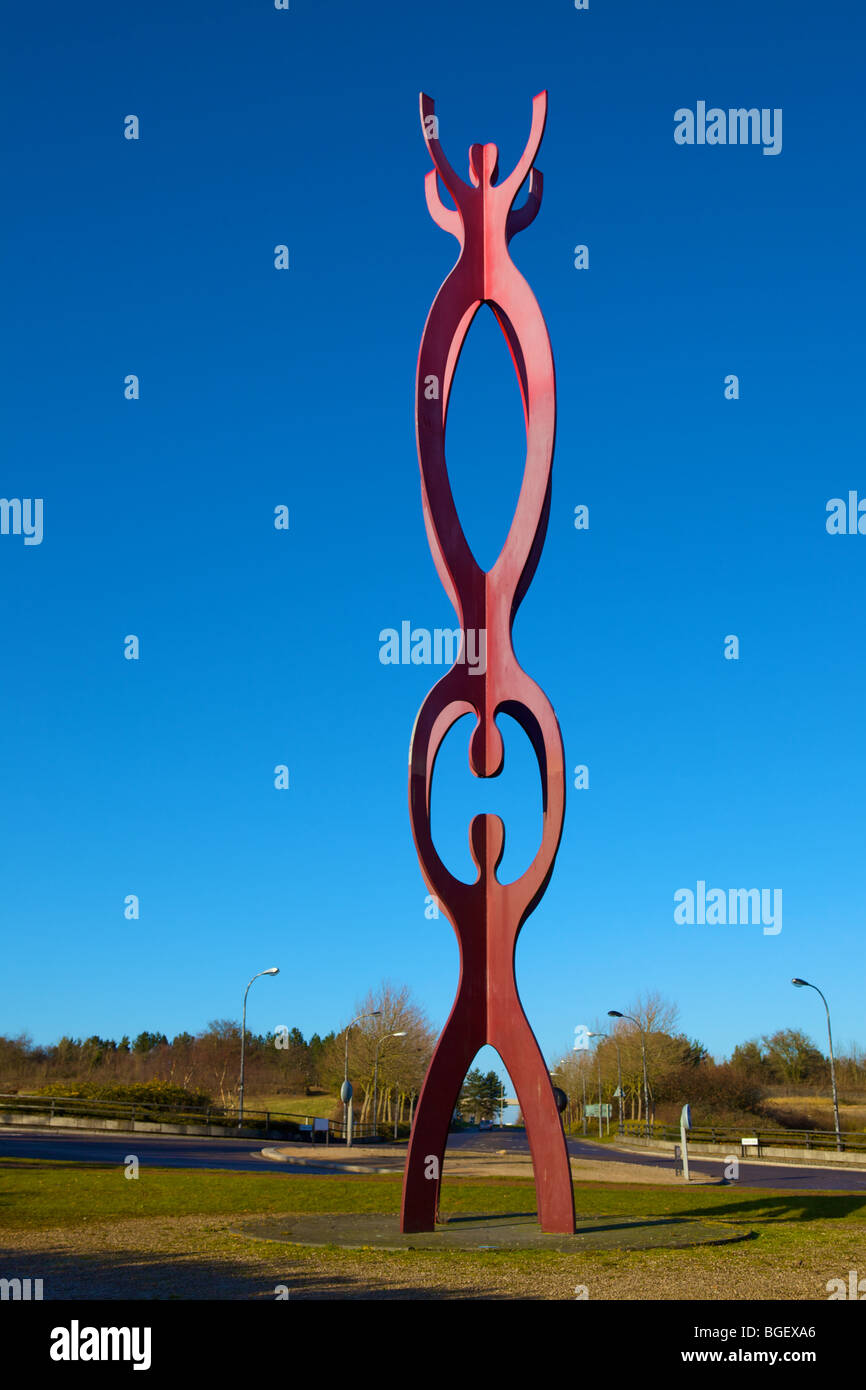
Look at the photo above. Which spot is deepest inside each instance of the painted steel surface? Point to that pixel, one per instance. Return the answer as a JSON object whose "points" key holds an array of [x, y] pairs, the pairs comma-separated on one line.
{"points": [[486, 915]]}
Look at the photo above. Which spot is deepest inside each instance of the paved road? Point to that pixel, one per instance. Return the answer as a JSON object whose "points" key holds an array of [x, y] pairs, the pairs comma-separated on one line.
{"points": [[775, 1175], [243, 1155], [162, 1150]]}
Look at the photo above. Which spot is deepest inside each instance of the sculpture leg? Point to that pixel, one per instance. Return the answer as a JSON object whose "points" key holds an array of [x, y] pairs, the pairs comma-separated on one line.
{"points": [[517, 1046], [422, 1177]]}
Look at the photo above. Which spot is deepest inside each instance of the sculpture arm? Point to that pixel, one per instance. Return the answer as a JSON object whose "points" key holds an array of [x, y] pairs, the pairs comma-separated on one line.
{"points": [[448, 219], [452, 181], [518, 218], [511, 185]]}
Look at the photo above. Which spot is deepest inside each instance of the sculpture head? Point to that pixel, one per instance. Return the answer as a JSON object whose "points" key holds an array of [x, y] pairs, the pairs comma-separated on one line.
{"points": [[483, 164]]}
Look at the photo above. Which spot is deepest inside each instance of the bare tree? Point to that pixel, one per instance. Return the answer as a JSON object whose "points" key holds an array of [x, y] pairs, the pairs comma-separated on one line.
{"points": [[218, 1054], [403, 1061]]}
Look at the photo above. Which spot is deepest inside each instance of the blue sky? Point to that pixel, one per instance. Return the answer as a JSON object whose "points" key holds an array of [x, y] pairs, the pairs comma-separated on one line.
{"points": [[262, 387]]}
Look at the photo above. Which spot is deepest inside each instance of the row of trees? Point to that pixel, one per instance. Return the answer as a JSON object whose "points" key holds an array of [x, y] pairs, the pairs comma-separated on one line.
{"points": [[394, 1031], [207, 1061], [788, 1057], [283, 1063], [679, 1068]]}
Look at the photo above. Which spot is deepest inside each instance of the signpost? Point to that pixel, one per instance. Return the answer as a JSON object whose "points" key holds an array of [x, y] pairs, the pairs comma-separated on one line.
{"points": [[346, 1098], [685, 1123]]}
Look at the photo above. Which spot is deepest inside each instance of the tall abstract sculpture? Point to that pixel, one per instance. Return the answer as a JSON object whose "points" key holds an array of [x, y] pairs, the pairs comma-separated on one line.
{"points": [[486, 915]]}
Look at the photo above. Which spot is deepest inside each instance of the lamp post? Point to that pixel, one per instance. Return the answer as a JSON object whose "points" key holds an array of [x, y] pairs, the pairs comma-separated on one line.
{"points": [[412, 1098], [347, 1089], [583, 1079], [598, 1060], [615, 1013], [274, 970], [376, 1075], [564, 1114], [396, 1112], [805, 984], [612, 1037]]}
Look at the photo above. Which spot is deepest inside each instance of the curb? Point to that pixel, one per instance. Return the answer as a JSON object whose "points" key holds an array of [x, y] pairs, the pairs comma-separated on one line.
{"points": [[277, 1156]]}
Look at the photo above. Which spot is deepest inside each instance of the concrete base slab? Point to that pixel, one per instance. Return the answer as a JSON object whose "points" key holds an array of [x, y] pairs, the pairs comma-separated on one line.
{"points": [[515, 1231]]}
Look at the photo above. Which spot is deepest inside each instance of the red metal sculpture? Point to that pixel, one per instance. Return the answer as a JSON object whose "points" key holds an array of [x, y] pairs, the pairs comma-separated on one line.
{"points": [[486, 915]]}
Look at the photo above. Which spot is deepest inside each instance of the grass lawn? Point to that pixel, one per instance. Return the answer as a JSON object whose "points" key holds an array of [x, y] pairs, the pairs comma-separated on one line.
{"points": [[852, 1115], [92, 1233], [322, 1106]]}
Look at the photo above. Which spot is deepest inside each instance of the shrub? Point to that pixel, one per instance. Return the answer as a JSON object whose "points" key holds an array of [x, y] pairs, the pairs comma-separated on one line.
{"points": [[161, 1093]]}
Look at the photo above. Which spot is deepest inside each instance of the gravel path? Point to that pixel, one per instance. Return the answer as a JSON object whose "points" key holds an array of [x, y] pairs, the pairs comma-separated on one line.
{"points": [[478, 1164]]}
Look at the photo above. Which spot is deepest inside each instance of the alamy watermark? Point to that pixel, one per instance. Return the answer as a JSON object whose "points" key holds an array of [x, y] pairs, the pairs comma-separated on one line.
{"points": [[443, 646], [20, 1290], [855, 1289], [729, 907], [736, 126], [22, 516], [846, 517], [77, 1343]]}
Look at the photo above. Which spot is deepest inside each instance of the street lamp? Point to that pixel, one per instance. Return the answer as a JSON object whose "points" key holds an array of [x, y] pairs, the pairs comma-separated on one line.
{"points": [[612, 1037], [347, 1089], [615, 1013], [804, 984], [274, 970], [411, 1106], [376, 1076], [565, 1114], [598, 1059]]}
